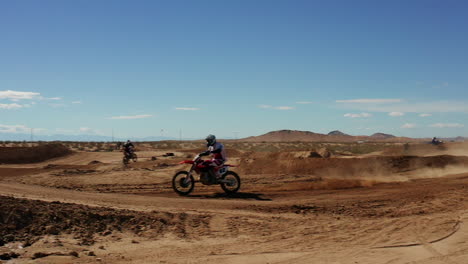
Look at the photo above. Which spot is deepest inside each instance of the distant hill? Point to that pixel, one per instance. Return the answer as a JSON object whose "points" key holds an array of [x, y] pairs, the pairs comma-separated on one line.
{"points": [[382, 136], [288, 135], [337, 133], [333, 136]]}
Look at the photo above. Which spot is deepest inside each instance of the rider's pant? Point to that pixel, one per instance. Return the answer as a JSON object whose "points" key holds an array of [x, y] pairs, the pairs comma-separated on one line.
{"points": [[213, 162], [215, 165]]}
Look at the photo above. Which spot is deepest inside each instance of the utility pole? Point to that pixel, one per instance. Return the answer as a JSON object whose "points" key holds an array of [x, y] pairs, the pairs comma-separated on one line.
{"points": [[236, 134], [180, 134], [112, 135], [32, 135]]}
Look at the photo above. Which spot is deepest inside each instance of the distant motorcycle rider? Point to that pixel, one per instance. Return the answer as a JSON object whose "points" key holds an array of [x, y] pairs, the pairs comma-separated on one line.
{"points": [[436, 141], [128, 147], [219, 154]]}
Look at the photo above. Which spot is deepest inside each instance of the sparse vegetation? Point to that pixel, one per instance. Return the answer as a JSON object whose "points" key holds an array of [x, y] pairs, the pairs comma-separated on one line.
{"points": [[334, 148]]}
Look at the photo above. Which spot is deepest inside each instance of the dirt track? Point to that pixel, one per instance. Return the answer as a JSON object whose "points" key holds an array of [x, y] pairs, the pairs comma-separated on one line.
{"points": [[277, 218]]}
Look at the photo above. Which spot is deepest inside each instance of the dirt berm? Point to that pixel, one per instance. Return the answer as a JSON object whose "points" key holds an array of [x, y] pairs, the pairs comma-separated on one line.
{"points": [[290, 162], [28, 220], [21, 155]]}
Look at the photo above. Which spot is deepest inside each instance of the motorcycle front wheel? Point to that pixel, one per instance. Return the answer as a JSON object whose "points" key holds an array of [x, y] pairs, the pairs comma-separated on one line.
{"points": [[183, 183], [134, 157], [230, 182]]}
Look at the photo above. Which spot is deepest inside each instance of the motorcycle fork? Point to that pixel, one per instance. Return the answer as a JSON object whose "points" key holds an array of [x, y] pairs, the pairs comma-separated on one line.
{"points": [[190, 173]]}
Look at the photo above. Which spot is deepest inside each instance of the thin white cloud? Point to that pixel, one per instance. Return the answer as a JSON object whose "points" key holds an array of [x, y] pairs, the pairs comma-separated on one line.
{"points": [[425, 115], [284, 108], [14, 129], [16, 95], [131, 117], [276, 107], [447, 125], [412, 107], [187, 108], [370, 101], [19, 129], [360, 115], [11, 106], [304, 102], [76, 102], [395, 114], [408, 125]]}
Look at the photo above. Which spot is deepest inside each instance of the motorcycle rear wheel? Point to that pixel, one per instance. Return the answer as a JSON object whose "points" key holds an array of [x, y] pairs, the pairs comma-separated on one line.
{"points": [[182, 183], [230, 182]]}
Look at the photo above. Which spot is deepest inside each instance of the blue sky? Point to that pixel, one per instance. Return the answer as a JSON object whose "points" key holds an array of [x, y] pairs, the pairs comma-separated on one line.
{"points": [[146, 68]]}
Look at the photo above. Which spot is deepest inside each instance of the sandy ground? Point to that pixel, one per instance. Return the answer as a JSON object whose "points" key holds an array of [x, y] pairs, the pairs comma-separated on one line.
{"points": [[415, 210]]}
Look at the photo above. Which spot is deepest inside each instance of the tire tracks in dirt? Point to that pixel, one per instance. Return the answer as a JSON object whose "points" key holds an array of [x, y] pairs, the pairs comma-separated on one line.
{"points": [[422, 240], [132, 202]]}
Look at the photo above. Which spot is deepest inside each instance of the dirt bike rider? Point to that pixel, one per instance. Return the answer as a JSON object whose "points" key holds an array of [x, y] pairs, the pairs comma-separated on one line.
{"points": [[128, 148], [219, 155], [436, 141]]}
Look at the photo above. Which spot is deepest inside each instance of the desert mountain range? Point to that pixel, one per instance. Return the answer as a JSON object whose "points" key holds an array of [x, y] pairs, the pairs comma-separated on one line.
{"points": [[333, 136], [285, 135]]}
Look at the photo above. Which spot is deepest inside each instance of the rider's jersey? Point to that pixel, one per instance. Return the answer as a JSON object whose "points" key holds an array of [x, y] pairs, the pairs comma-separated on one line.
{"points": [[128, 147], [218, 151]]}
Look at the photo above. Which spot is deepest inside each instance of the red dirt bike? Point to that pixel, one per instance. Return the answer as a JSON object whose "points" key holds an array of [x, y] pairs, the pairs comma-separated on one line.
{"points": [[183, 182]]}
